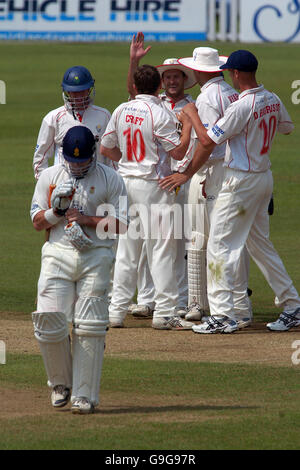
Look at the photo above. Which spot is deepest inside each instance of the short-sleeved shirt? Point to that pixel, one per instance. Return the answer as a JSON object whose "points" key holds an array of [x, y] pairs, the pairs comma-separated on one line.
{"points": [[215, 97], [249, 126], [145, 132], [99, 191], [55, 126]]}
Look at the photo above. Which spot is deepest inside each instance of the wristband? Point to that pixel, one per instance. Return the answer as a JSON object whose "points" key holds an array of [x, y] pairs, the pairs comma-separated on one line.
{"points": [[51, 217]]}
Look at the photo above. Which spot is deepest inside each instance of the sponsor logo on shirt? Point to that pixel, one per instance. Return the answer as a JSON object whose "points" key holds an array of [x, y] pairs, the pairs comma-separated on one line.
{"points": [[217, 131], [34, 207]]}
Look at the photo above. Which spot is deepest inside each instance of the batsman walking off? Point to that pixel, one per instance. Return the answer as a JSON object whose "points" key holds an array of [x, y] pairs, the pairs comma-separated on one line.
{"points": [[75, 269]]}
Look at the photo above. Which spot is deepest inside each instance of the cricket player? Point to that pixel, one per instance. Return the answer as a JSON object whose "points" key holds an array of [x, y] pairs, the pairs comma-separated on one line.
{"points": [[240, 217], [78, 87], [215, 97], [72, 200], [140, 134], [176, 78]]}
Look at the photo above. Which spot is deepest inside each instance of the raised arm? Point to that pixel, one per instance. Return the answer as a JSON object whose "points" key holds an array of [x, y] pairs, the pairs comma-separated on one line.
{"points": [[137, 52]]}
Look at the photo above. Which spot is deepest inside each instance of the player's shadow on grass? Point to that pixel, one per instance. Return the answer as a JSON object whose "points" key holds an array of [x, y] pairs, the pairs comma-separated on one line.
{"points": [[171, 408]]}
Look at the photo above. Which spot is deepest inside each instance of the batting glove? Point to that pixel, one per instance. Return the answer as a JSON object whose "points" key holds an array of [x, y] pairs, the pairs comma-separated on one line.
{"points": [[62, 196]]}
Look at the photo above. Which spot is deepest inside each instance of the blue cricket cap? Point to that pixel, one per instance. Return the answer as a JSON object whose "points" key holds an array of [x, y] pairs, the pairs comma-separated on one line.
{"points": [[241, 60], [78, 144]]}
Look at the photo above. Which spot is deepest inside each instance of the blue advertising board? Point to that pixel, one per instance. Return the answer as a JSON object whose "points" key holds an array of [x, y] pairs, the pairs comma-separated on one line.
{"points": [[103, 20]]}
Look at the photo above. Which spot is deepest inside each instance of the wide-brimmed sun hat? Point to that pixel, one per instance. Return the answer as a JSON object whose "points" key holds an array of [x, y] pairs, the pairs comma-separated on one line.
{"points": [[205, 59], [173, 64]]}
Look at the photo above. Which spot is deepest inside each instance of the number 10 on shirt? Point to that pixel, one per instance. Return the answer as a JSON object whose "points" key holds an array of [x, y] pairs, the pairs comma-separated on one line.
{"points": [[135, 145]]}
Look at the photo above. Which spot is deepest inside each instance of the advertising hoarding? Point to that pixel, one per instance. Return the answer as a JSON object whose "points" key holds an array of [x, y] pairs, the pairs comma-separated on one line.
{"points": [[273, 21], [103, 20]]}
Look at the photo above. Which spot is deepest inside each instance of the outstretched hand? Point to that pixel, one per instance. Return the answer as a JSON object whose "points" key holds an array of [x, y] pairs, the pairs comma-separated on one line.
{"points": [[137, 51]]}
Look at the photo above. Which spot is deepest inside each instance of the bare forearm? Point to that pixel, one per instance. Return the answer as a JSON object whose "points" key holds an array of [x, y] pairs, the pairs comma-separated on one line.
{"points": [[43, 222], [111, 153], [179, 152], [133, 65], [191, 110], [103, 223], [200, 157]]}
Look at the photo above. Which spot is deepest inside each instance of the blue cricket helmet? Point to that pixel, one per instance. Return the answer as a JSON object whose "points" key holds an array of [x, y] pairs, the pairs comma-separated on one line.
{"points": [[77, 78], [78, 144]]}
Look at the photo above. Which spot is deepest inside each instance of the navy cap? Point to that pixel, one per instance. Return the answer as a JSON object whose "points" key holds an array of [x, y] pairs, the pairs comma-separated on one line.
{"points": [[78, 144], [241, 60]]}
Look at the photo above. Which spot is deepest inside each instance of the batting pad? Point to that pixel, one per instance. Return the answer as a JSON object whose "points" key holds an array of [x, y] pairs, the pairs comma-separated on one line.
{"points": [[90, 316], [197, 278], [88, 339], [88, 352], [51, 331]]}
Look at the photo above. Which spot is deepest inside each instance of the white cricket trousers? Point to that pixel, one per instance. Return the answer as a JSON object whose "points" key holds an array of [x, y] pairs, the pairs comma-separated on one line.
{"points": [[210, 183], [150, 214], [240, 217], [68, 275], [145, 285]]}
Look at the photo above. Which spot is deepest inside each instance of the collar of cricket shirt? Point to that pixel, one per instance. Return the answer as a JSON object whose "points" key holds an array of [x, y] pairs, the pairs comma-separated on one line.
{"points": [[251, 91], [188, 98], [211, 81], [145, 97]]}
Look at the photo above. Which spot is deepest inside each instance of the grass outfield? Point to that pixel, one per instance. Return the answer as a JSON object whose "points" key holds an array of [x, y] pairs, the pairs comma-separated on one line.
{"points": [[159, 405], [143, 400]]}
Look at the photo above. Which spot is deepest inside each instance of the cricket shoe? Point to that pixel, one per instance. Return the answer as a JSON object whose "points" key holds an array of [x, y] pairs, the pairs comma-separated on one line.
{"points": [[285, 322], [82, 406], [116, 323], [244, 322], [131, 308], [216, 325], [60, 396], [171, 323], [181, 311], [194, 312], [142, 311]]}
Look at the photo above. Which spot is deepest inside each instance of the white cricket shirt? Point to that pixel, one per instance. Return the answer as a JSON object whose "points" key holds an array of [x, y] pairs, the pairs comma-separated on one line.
{"points": [[145, 132], [249, 126], [94, 192], [215, 97], [175, 108], [55, 126]]}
